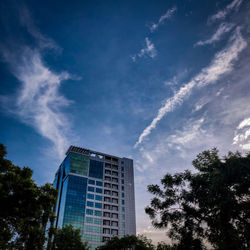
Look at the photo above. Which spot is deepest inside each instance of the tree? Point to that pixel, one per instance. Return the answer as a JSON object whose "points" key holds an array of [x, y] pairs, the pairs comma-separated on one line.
{"points": [[25, 208], [128, 242], [68, 238], [212, 204]]}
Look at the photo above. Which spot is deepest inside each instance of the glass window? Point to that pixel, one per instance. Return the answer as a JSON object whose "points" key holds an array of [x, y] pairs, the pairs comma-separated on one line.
{"points": [[98, 197], [87, 237], [98, 213], [90, 196], [122, 181], [122, 188], [89, 211], [123, 209], [91, 189], [98, 205], [90, 204], [98, 190], [97, 221], [122, 195], [79, 164], [89, 220], [92, 182], [122, 168], [123, 202], [122, 175], [99, 183], [96, 169], [123, 216]]}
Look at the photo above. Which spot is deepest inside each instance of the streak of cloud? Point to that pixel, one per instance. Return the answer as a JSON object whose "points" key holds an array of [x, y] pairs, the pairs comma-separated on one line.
{"points": [[242, 134], [223, 13], [220, 32], [162, 19], [149, 50], [222, 63]]}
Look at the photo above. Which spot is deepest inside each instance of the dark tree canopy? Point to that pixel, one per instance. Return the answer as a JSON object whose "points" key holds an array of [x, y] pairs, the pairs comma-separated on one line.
{"points": [[139, 242], [211, 205], [68, 238], [25, 208]]}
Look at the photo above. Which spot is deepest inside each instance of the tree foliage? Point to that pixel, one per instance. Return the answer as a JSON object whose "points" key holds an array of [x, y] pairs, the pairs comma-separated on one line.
{"points": [[139, 242], [211, 205], [25, 207], [68, 238]]}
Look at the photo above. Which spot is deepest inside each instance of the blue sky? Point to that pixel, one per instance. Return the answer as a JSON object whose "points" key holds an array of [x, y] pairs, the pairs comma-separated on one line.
{"points": [[156, 81]]}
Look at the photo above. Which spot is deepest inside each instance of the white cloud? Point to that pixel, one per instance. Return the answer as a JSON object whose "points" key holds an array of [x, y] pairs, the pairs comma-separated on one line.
{"points": [[221, 64], [223, 13], [39, 102], [149, 50], [242, 134], [223, 29], [166, 16]]}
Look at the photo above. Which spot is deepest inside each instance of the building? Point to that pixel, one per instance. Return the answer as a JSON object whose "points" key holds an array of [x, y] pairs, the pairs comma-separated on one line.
{"points": [[96, 195]]}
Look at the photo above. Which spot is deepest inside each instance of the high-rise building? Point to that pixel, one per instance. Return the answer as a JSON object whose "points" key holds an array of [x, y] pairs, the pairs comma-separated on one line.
{"points": [[95, 195]]}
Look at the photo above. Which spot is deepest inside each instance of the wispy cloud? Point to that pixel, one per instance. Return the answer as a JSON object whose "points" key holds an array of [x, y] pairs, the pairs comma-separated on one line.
{"points": [[242, 134], [221, 64], [223, 13], [220, 32], [149, 50], [162, 19], [38, 102]]}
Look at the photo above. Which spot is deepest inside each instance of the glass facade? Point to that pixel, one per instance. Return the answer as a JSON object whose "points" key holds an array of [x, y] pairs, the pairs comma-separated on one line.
{"points": [[96, 169], [74, 211], [79, 164]]}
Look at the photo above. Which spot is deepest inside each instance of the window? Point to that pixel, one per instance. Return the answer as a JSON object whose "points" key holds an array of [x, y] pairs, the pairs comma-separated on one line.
{"points": [[106, 206], [93, 229], [107, 185], [107, 171], [107, 199], [123, 202], [90, 196], [123, 216], [99, 183], [106, 222], [114, 223], [115, 208], [98, 197], [122, 188], [122, 195], [114, 216], [90, 204], [114, 173], [123, 209], [92, 182], [98, 190], [122, 175], [87, 237], [115, 201], [107, 192], [91, 189], [106, 214], [107, 178], [114, 167], [89, 211], [97, 221], [106, 230], [89, 220], [114, 186], [123, 224], [114, 231], [114, 193], [107, 165], [98, 205], [98, 213], [115, 180], [122, 169], [122, 181]]}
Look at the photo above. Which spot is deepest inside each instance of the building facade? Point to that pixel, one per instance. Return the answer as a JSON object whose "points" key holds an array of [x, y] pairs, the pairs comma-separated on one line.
{"points": [[95, 195]]}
